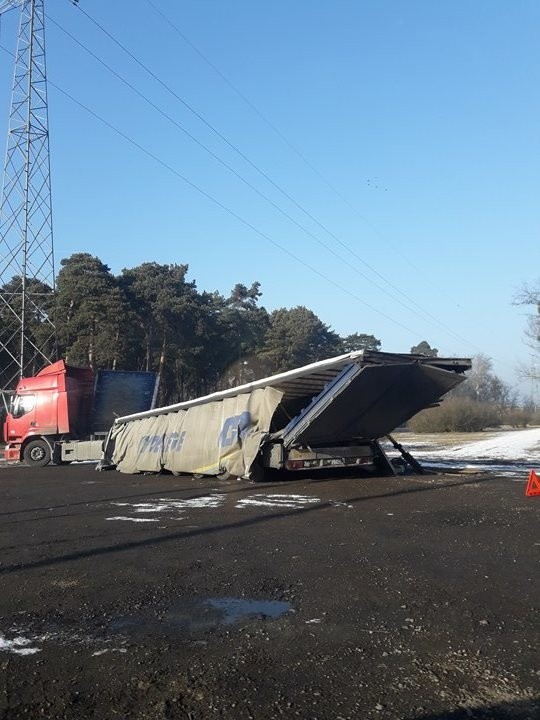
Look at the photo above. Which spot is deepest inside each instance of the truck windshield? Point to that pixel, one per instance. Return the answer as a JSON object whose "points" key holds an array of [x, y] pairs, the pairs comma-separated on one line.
{"points": [[22, 404]]}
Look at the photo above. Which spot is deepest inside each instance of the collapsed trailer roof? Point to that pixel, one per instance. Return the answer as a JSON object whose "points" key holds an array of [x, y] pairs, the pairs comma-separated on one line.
{"points": [[395, 388], [369, 400]]}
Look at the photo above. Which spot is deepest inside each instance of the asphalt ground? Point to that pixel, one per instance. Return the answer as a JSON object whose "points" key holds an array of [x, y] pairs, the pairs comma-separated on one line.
{"points": [[168, 597]]}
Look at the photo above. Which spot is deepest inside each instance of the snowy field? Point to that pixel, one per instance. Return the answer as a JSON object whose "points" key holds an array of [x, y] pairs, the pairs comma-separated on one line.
{"points": [[512, 453]]}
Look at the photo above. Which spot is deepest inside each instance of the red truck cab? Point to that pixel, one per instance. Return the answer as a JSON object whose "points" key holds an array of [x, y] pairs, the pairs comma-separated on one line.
{"points": [[53, 405]]}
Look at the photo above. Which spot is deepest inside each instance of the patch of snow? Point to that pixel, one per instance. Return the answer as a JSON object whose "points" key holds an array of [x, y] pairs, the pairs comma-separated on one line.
{"points": [[106, 650], [277, 500], [133, 519], [514, 445], [165, 505], [26, 651], [510, 453], [18, 646]]}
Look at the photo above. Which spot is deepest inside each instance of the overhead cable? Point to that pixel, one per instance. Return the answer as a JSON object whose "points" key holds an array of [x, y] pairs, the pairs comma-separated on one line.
{"points": [[246, 182], [230, 144], [227, 209]]}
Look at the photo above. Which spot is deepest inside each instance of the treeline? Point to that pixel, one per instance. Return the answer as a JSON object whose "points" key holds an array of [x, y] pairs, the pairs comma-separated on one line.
{"points": [[482, 401], [152, 317]]}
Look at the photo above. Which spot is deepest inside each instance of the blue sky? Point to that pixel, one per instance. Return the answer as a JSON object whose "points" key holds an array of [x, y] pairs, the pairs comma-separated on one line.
{"points": [[422, 115]]}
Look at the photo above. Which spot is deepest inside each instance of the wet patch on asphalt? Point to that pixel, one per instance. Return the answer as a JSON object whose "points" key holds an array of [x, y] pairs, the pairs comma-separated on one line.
{"points": [[188, 619], [193, 617]]}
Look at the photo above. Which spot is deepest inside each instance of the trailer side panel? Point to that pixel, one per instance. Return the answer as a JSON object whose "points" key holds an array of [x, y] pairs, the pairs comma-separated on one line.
{"points": [[210, 439]]}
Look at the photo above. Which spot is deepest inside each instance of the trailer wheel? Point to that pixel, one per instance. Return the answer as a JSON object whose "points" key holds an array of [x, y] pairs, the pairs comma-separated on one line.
{"points": [[37, 453]]}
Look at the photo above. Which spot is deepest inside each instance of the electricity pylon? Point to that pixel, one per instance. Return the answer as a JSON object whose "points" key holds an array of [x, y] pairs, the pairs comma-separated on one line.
{"points": [[27, 332]]}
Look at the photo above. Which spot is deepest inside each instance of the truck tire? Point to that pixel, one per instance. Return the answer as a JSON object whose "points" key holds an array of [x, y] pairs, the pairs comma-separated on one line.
{"points": [[37, 453]]}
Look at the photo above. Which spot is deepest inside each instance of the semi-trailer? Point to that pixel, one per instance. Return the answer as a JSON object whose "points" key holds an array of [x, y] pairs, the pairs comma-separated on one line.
{"points": [[328, 414]]}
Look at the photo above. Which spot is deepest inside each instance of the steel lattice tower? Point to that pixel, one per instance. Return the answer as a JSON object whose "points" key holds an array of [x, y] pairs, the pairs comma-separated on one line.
{"points": [[27, 333]]}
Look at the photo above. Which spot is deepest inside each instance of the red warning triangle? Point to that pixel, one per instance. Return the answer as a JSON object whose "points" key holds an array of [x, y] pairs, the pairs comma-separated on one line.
{"points": [[533, 485]]}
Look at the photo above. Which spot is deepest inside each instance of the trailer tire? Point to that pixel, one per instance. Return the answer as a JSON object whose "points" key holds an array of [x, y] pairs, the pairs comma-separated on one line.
{"points": [[37, 453]]}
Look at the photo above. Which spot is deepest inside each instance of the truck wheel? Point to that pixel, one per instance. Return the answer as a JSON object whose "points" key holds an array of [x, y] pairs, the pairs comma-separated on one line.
{"points": [[37, 453]]}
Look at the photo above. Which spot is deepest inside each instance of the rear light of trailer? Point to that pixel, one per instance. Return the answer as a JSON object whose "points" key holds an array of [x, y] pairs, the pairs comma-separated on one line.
{"points": [[294, 464]]}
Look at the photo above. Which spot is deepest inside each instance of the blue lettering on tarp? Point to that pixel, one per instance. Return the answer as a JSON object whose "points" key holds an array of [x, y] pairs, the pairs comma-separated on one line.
{"points": [[234, 427], [174, 441], [157, 443], [150, 443]]}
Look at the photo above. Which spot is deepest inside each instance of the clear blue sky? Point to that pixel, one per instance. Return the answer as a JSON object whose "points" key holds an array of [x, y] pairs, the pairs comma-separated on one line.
{"points": [[423, 115]]}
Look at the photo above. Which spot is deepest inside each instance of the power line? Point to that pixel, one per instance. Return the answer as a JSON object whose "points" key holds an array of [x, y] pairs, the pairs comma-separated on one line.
{"points": [[263, 173], [275, 129], [180, 127], [225, 208]]}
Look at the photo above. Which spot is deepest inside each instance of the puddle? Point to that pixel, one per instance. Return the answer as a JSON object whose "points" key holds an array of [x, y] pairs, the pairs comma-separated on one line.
{"points": [[190, 618], [236, 609]]}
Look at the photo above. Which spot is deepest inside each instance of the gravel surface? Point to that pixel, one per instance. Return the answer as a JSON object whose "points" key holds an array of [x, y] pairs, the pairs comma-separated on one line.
{"points": [[163, 597]]}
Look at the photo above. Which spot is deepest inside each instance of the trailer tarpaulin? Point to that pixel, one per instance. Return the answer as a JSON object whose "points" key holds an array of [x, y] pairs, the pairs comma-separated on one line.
{"points": [[217, 437]]}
